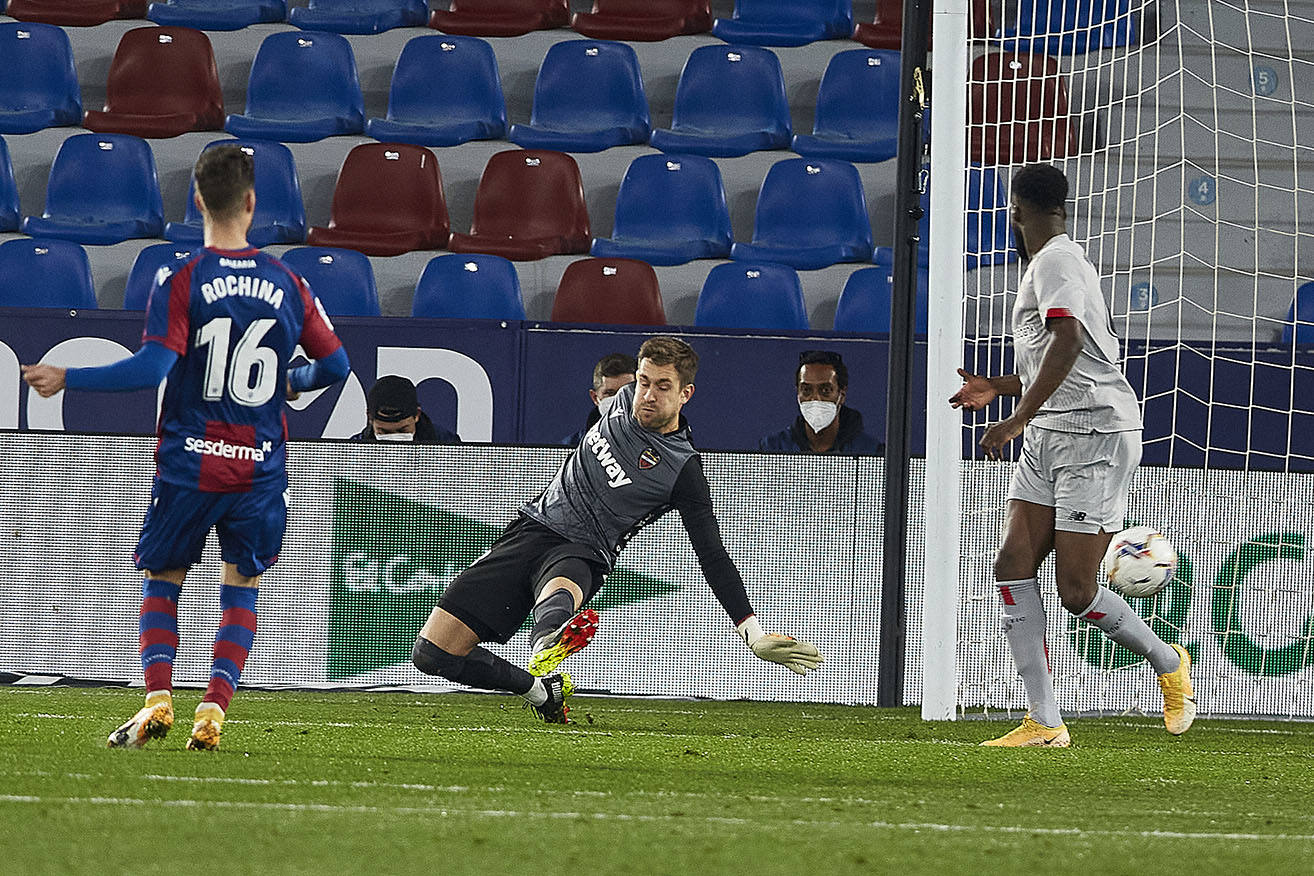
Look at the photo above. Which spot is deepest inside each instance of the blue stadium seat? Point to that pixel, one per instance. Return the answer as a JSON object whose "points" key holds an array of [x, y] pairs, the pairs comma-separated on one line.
{"points": [[342, 279], [469, 286], [756, 295], [280, 215], [141, 279], [729, 102], [857, 108], [810, 213], [445, 90], [588, 97], [670, 209], [864, 304], [45, 273], [1300, 318], [360, 16], [217, 14], [39, 88], [102, 190], [1068, 27], [303, 87], [9, 210], [786, 22]]}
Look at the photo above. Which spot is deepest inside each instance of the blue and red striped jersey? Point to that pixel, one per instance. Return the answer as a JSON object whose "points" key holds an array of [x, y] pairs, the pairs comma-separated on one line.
{"points": [[235, 319]]}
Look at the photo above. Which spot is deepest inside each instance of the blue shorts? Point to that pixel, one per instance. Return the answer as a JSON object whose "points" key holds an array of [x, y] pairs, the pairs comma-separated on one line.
{"points": [[249, 525]]}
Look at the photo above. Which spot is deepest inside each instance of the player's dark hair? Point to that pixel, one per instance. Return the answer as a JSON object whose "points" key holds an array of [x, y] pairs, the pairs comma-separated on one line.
{"points": [[223, 176], [613, 365], [823, 357], [1043, 186], [665, 350]]}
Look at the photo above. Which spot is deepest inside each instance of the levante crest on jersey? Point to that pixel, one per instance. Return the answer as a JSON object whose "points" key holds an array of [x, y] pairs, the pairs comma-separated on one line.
{"points": [[648, 458]]}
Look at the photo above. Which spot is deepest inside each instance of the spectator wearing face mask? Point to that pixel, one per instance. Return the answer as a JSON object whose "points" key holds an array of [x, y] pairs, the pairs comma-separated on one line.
{"points": [[394, 414], [613, 371], [824, 423]]}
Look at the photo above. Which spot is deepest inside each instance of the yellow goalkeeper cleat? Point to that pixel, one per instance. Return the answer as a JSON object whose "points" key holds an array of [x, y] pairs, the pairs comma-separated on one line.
{"points": [[151, 722], [206, 731], [1178, 695], [1033, 734], [569, 638]]}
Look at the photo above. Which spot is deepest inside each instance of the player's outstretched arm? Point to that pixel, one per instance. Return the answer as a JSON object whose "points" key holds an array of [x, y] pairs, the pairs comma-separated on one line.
{"points": [[320, 373], [794, 654], [142, 370], [978, 391]]}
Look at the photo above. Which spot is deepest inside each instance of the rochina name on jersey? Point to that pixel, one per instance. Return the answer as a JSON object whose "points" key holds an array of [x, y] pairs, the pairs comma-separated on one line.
{"points": [[244, 286]]}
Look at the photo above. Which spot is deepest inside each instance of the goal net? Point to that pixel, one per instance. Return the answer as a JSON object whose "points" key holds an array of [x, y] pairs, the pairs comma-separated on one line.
{"points": [[1186, 130]]}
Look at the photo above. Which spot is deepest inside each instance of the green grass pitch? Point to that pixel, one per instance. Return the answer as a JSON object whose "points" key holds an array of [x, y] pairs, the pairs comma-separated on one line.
{"points": [[453, 784]]}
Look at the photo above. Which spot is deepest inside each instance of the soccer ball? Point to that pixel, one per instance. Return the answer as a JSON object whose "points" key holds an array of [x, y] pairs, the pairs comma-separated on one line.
{"points": [[1140, 561]]}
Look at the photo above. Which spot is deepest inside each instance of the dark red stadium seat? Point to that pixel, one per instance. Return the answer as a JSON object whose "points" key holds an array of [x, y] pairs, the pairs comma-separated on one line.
{"points": [[162, 82], [76, 13], [500, 17], [529, 205], [643, 20], [886, 30], [388, 200], [1019, 109], [611, 291]]}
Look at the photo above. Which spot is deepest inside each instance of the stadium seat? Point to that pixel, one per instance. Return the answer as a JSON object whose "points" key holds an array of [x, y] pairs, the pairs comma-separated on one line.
{"points": [[885, 30], [810, 213], [857, 108], [303, 87], [755, 295], [445, 90], [1018, 110], [162, 82], [39, 88], [217, 14], [9, 209], [502, 18], [643, 20], [469, 286], [1068, 27], [342, 279], [103, 189], [786, 22], [45, 273], [529, 205], [670, 209], [988, 238], [280, 215], [1300, 318], [588, 97], [359, 16], [388, 200], [75, 13], [141, 279], [864, 303], [729, 102], [609, 291]]}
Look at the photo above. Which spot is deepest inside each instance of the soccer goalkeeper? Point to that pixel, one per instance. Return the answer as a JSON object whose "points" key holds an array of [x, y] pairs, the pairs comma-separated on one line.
{"points": [[635, 464]]}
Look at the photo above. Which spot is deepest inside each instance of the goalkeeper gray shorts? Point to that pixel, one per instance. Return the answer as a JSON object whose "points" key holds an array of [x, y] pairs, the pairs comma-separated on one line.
{"points": [[1084, 477]]}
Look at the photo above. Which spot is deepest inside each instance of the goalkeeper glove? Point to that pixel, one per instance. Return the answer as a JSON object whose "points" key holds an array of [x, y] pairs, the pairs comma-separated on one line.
{"points": [[793, 654]]}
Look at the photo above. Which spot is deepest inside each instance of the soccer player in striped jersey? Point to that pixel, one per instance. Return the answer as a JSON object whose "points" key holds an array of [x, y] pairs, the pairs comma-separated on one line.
{"points": [[223, 328]]}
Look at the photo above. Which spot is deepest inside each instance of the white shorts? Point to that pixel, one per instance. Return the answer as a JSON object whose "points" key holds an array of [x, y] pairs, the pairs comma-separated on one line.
{"points": [[1084, 477]]}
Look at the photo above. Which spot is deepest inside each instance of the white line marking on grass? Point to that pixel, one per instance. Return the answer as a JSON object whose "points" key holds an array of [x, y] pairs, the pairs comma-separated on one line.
{"points": [[430, 812]]}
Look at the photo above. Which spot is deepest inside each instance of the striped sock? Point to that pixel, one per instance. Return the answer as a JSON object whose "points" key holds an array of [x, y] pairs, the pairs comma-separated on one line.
{"points": [[158, 632], [232, 643]]}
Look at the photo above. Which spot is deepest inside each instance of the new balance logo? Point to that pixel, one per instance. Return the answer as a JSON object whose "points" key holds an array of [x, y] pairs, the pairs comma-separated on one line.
{"points": [[1077, 515]]}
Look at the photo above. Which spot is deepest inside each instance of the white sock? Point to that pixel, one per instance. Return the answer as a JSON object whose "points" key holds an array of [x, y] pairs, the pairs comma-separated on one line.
{"points": [[1110, 612], [1024, 625], [536, 695]]}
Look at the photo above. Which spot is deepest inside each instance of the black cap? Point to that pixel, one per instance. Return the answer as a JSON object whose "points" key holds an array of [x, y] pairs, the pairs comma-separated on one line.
{"points": [[392, 399]]}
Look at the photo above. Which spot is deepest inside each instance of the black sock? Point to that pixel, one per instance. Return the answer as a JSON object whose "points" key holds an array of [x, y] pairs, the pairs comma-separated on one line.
{"points": [[480, 668], [551, 613]]}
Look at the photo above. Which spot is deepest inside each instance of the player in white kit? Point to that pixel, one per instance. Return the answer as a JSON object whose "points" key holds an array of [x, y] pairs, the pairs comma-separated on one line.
{"points": [[1080, 424]]}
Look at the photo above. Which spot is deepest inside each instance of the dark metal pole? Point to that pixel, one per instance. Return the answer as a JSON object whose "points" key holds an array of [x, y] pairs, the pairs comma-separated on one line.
{"points": [[898, 422]]}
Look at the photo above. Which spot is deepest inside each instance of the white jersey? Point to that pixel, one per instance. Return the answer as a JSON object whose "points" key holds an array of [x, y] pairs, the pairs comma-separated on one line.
{"points": [[1095, 396]]}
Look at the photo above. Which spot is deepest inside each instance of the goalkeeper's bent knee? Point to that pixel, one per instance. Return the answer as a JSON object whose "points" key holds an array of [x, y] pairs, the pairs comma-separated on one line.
{"points": [[432, 660]]}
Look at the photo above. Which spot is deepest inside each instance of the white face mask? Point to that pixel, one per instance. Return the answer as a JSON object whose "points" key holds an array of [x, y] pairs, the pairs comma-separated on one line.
{"points": [[818, 414], [394, 436]]}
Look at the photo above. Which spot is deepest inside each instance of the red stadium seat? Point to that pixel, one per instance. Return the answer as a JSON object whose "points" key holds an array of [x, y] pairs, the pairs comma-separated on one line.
{"points": [[162, 82], [529, 205], [1019, 109], [610, 291], [886, 30], [643, 20], [500, 17], [76, 13], [388, 200]]}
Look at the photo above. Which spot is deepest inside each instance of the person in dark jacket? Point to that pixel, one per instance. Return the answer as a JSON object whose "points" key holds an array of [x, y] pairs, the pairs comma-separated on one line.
{"points": [[824, 423], [613, 371], [394, 414]]}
